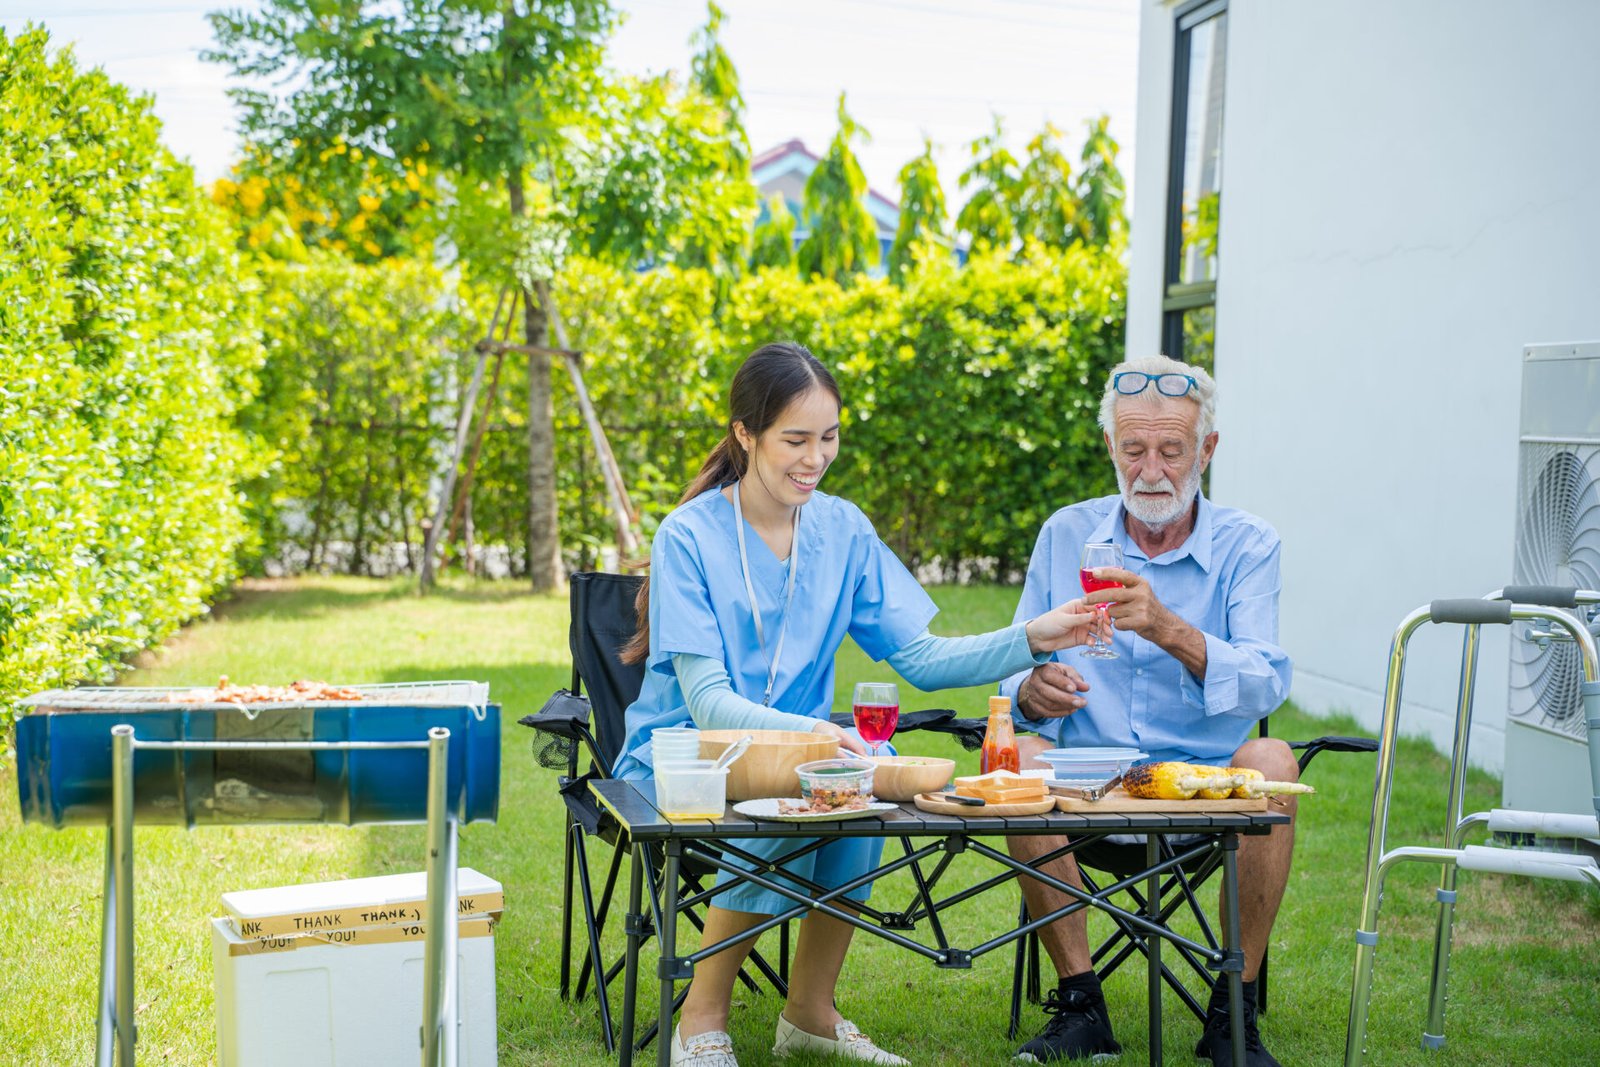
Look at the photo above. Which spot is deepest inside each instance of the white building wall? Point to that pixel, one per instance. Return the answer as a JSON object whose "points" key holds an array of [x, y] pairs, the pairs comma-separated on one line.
{"points": [[1411, 194]]}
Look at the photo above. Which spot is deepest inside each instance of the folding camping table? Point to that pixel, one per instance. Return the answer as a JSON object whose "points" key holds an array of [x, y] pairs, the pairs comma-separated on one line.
{"points": [[927, 839]]}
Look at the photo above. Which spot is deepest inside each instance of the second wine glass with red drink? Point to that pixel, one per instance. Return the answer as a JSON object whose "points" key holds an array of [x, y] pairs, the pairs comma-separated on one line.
{"points": [[877, 712], [1098, 554]]}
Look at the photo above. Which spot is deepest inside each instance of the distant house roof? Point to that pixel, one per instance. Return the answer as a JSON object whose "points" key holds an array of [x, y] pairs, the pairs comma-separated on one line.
{"points": [[793, 161]]}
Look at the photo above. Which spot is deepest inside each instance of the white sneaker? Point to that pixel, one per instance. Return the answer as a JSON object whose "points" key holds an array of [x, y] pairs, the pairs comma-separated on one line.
{"points": [[847, 1042], [710, 1049]]}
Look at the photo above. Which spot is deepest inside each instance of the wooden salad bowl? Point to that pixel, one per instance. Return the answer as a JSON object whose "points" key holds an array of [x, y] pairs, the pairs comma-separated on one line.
{"points": [[767, 767], [901, 778]]}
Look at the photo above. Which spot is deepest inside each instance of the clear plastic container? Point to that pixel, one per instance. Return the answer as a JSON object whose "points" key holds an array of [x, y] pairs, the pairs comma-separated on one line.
{"points": [[836, 781], [691, 789]]}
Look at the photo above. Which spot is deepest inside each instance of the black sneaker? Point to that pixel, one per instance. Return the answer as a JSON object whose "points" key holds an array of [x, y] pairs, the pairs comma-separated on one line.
{"points": [[1078, 1029], [1216, 1044]]}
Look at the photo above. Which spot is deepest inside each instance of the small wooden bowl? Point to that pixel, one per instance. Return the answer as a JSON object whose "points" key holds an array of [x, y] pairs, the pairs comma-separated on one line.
{"points": [[767, 767], [901, 778]]}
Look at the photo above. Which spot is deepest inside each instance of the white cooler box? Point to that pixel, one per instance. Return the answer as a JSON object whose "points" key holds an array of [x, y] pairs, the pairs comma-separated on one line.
{"points": [[341, 993]]}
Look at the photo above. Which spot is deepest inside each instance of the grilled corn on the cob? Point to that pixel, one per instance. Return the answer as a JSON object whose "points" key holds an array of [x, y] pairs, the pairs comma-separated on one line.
{"points": [[1253, 785], [1171, 780], [1225, 778]]}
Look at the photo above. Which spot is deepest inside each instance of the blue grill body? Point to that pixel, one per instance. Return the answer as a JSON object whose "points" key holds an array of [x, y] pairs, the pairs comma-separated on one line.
{"points": [[64, 763]]}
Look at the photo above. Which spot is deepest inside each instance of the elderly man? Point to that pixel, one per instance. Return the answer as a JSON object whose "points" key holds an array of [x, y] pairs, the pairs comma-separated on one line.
{"points": [[1195, 631]]}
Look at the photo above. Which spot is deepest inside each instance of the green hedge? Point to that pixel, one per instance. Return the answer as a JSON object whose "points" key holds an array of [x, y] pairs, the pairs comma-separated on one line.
{"points": [[355, 407], [970, 398], [127, 341]]}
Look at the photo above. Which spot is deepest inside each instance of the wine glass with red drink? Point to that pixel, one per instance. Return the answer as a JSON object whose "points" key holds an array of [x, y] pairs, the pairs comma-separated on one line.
{"points": [[1095, 556], [877, 711]]}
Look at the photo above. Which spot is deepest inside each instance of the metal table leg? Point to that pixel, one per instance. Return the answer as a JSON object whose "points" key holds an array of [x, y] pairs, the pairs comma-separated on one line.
{"points": [[1152, 856], [633, 925], [1235, 959], [667, 937]]}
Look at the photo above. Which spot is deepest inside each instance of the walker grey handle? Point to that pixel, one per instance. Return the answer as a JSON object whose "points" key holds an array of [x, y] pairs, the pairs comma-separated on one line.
{"points": [[1471, 612], [1562, 866], [1550, 596], [1545, 823]]}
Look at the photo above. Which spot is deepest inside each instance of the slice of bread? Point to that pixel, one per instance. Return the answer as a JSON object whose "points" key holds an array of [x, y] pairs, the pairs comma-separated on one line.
{"points": [[1002, 787]]}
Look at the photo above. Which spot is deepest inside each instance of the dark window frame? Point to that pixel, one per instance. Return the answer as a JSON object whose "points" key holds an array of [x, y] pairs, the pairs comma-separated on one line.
{"points": [[1178, 298]]}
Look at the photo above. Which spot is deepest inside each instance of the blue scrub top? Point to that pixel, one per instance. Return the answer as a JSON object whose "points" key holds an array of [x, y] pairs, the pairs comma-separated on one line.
{"points": [[849, 582]]}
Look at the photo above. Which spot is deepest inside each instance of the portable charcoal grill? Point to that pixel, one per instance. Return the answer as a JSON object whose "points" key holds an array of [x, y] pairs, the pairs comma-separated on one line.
{"points": [[403, 753]]}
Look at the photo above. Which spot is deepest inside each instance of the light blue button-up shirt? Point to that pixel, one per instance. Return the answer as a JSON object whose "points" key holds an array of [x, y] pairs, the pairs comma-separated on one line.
{"points": [[1223, 580]]}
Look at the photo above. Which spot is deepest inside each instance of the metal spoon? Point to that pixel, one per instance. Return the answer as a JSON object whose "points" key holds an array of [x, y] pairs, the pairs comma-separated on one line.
{"points": [[734, 751]]}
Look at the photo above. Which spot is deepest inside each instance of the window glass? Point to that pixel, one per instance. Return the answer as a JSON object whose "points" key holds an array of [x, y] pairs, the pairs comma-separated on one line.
{"points": [[1202, 150], [1200, 337]]}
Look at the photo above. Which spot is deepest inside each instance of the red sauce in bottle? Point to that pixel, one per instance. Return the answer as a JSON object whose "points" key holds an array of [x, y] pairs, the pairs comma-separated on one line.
{"points": [[999, 741]]}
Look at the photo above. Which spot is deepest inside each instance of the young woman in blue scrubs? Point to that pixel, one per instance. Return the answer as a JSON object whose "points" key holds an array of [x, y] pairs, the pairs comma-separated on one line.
{"points": [[755, 579]]}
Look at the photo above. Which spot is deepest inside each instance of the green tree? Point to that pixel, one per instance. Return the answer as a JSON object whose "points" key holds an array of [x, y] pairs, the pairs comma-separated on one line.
{"points": [[362, 205], [843, 239], [710, 238], [1099, 190], [922, 212], [1044, 205], [652, 175], [712, 73], [480, 89], [988, 217], [773, 245]]}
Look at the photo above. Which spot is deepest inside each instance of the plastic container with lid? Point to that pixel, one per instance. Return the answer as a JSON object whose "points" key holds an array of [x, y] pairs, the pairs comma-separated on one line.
{"points": [[836, 781]]}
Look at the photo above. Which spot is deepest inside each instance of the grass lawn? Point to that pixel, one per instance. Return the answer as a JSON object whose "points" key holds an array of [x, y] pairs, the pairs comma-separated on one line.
{"points": [[1525, 976]]}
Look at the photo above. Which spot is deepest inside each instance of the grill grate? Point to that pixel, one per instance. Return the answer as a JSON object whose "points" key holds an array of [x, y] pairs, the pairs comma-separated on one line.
{"points": [[454, 694]]}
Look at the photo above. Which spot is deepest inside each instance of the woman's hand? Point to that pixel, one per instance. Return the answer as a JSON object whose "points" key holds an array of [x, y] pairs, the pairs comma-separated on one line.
{"points": [[1060, 627], [846, 740]]}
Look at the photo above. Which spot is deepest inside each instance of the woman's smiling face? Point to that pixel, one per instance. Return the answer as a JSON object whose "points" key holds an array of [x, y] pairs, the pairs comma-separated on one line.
{"points": [[788, 460]]}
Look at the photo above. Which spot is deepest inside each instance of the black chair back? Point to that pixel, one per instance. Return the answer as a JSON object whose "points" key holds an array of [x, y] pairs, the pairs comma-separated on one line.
{"points": [[603, 620]]}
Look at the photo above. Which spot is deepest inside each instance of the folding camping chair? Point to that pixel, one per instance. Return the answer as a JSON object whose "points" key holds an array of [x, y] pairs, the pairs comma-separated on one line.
{"points": [[590, 715], [1178, 892], [603, 620]]}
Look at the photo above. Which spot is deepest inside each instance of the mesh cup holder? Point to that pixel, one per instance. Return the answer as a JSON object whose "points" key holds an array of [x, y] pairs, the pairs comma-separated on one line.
{"points": [[555, 753]]}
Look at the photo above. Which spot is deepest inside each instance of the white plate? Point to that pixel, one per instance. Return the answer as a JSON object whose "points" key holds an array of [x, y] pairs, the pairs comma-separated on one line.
{"points": [[767, 808]]}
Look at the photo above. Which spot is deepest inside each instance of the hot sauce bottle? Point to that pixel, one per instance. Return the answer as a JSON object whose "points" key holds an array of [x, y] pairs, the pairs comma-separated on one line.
{"points": [[999, 742]]}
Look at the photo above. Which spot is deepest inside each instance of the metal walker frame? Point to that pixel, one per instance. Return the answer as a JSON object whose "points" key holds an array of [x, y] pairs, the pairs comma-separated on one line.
{"points": [[116, 1034], [1501, 607]]}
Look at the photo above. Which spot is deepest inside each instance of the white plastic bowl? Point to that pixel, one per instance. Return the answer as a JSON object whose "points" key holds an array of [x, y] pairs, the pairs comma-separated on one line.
{"points": [[1080, 764]]}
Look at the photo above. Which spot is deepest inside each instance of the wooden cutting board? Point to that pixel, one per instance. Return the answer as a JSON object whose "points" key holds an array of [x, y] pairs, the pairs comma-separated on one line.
{"points": [[935, 803], [1121, 802]]}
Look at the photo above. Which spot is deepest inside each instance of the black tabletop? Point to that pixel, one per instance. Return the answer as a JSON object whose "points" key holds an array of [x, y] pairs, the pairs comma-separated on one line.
{"points": [[637, 813]]}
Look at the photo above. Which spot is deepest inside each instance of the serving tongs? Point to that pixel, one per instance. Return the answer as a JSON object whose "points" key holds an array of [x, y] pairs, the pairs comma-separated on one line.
{"points": [[1086, 792]]}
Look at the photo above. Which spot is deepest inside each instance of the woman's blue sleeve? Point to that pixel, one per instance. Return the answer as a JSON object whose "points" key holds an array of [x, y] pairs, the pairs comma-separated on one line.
{"points": [[930, 662], [713, 705], [681, 616], [888, 607]]}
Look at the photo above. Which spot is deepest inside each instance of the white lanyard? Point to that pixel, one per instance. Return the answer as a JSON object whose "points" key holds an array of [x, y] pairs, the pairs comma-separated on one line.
{"points": [[750, 590]]}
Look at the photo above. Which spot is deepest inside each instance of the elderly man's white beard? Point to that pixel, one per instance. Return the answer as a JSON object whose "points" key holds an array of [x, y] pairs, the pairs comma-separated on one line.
{"points": [[1160, 512]]}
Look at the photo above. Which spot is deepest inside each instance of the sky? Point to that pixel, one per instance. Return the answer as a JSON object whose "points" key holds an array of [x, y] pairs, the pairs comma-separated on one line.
{"points": [[912, 68]]}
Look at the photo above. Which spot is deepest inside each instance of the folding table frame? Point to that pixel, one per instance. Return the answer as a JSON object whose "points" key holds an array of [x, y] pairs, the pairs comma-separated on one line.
{"points": [[926, 838]]}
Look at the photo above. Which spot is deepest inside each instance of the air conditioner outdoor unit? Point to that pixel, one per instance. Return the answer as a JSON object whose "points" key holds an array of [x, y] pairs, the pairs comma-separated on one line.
{"points": [[1557, 543]]}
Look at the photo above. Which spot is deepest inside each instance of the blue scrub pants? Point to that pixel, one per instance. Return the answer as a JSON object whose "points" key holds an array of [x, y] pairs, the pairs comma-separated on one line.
{"points": [[830, 866]]}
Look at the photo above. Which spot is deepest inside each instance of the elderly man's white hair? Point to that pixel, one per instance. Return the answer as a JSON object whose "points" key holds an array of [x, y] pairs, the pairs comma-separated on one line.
{"points": [[1204, 393]]}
